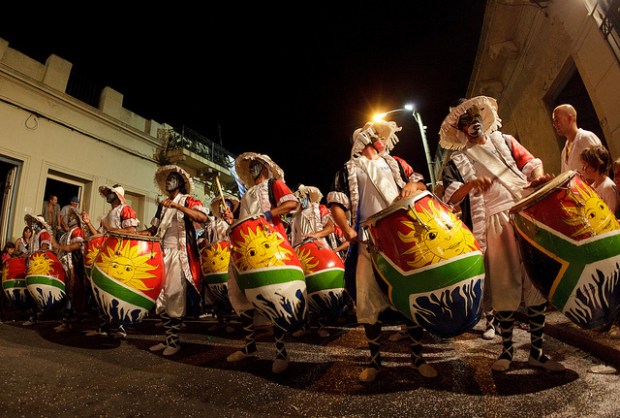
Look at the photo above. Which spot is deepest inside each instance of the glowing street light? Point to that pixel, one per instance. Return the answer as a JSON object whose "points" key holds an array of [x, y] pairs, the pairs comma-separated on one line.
{"points": [[416, 116]]}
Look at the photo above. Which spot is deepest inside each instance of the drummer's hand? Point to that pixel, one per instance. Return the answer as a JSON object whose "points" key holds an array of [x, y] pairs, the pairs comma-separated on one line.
{"points": [[540, 180], [482, 184], [410, 189], [168, 203]]}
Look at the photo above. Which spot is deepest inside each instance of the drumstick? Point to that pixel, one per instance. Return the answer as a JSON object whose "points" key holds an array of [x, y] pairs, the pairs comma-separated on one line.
{"points": [[219, 188]]}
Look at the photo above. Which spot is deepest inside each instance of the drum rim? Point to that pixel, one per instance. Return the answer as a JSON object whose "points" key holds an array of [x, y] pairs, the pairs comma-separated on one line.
{"points": [[247, 218], [131, 236], [399, 204], [543, 190]]}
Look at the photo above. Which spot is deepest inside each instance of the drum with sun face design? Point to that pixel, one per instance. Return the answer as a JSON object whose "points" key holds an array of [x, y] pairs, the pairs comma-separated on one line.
{"points": [[45, 278], [14, 282], [570, 245], [268, 272], [127, 277], [324, 272], [428, 263], [91, 250], [214, 261]]}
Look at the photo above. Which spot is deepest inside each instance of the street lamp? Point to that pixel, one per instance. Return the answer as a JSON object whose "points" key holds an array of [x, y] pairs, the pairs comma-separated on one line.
{"points": [[416, 116]]}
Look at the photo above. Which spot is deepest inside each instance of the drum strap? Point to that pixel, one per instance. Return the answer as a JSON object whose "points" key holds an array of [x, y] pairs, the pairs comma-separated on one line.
{"points": [[379, 180]]}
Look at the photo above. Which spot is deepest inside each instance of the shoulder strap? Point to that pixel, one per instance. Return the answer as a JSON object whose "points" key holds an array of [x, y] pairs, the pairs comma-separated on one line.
{"points": [[272, 197]]}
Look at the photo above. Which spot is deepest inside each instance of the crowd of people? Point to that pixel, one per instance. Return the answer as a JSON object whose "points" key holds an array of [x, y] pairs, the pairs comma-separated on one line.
{"points": [[487, 172]]}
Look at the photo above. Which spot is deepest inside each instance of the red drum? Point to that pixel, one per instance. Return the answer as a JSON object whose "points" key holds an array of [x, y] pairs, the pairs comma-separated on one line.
{"points": [[91, 250], [45, 278], [428, 264], [570, 243], [127, 276], [269, 272], [214, 261], [324, 273], [14, 282]]}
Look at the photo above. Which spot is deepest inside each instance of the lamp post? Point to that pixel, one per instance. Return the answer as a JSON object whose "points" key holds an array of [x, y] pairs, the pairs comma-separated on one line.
{"points": [[416, 116]]}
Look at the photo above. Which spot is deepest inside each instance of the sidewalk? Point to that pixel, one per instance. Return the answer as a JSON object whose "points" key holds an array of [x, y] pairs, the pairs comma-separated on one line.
{"points": [[558, 326]]}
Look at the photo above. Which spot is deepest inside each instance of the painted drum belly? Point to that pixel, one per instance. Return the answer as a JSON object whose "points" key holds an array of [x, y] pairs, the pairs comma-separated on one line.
{"points": [[214, 262], [428, 264], [269, 272], [14, 283], [570, 244], [91, 250], [45, 278], [127, 277], [324, 273]]}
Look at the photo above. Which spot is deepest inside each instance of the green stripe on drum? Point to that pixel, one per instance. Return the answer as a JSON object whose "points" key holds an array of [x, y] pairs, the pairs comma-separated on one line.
{"points": [[12, 284], [120, 291], [326, 279], [573, 255], [216, 278], [45, 280], [258, 278]]}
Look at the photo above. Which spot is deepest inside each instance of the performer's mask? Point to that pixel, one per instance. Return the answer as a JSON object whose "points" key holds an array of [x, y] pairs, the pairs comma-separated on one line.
{"points": [[110, 197], [256, 167], [174, 181]]}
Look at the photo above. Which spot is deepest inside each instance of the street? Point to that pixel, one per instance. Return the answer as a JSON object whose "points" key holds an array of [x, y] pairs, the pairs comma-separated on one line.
{"points": [[45, 374]]}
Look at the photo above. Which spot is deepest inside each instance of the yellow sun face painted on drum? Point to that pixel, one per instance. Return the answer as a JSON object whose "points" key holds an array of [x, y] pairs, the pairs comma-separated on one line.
{"points": [[261, 248], [439, 235], [40, 265], [215, 258], [591, 213], [45, 279], [124, 264]]}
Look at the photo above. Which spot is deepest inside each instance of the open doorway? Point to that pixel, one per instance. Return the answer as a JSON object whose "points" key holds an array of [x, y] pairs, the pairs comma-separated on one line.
{"points": [[64, 191], [9, 172]]}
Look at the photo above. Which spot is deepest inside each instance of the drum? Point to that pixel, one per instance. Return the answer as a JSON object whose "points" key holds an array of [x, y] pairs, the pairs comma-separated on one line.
{"points": [[214, 261], [269, 272], [45, 279], [14, 283], [91, 250], [127, 277], [570, 244], [324, 273], [428, 264]]}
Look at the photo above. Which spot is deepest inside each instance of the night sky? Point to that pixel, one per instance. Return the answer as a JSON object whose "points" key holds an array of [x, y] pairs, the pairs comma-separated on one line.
{"points": [[292, 82]]}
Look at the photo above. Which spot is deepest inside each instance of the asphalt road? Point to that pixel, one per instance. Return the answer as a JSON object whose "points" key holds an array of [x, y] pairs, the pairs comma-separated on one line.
{"points": [[45, 374]]}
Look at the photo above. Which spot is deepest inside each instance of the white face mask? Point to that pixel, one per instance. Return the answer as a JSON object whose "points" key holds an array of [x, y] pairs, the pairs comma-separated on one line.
{"points": [[173, 182], [255, 169]]}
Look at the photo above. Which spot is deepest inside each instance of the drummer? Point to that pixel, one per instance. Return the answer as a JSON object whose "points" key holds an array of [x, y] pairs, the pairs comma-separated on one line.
{"points": [[120, 218], [493, 170], [173, 224], [369, 182], [268, 195], [41, 240]]}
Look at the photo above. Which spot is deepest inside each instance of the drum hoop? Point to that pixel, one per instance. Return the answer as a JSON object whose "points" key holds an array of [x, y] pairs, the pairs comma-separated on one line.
{"points": [[543, 190], [92, 237], [399, 204], [240, 221], [125, 235]]}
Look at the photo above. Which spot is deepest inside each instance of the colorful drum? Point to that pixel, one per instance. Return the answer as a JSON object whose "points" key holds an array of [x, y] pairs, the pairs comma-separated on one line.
{"points": [[570, 244], [127, 277], [324, 273], [214, 261], [14, 283], [45, 278], [91, 250], [269, 272], [428, 263]]}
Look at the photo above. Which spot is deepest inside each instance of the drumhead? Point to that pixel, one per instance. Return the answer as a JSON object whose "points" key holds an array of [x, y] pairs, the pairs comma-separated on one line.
{"points": [[132, 236], [403, 204], [240, 221], [543, 190]]}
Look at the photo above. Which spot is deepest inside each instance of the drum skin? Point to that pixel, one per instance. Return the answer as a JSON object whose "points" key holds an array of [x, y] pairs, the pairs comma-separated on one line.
{"points": [[324, 273], [14, 283], [570, 244], [127, 277], [269, 272], [214, 262], [428, 264], [91, 250], [45, 278]]}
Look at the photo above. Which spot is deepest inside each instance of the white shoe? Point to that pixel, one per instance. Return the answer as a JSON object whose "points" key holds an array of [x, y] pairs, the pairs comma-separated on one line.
{"points": [[157, 347], [368, 374], [549, 365], [170, 350], [120, 333], [489, 334], [238, 356], [279, 366]]}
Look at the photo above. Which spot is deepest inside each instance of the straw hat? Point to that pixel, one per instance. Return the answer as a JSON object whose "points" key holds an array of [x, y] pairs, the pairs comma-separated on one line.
{"points": [[30, 219], [450, 137], [118, 191], [242, 166], [382, 130], [162, 174], [312, 192], [215, 204]]}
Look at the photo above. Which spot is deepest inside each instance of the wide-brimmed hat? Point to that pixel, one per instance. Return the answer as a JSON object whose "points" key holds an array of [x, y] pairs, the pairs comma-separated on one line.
{"points": [[31, 219], [118, 191], [162, 174], [450, 137], [215, 203], [381, 129], [243, 162], [313, 193]]}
